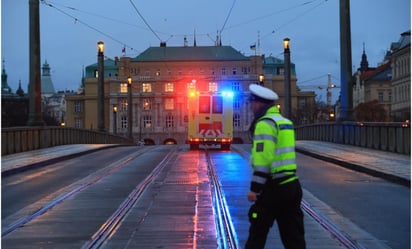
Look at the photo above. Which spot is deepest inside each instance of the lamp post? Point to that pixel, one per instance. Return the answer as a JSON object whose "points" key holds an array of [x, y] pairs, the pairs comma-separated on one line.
{"points": [[100, 86], [261, 79], [114, 119], [129, 107], [288, 101], [346, 105], [35, 113]]}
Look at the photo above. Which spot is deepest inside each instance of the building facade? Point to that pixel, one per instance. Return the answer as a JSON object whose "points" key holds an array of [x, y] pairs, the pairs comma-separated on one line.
{"points": [[389, 83], [161, 77], [401, 78]]}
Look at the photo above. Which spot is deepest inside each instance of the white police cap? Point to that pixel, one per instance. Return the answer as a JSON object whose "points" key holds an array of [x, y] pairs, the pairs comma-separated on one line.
{"points": [[262, 93]]}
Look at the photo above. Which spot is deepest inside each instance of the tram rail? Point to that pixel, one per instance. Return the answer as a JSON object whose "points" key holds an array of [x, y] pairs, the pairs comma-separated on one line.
{"points": [[227, 237], [71, 192], [109, 227]]}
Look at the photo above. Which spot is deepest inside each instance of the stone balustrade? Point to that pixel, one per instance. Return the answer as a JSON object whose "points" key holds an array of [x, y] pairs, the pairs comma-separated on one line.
{"points": [[20, 139], [393, 137]]}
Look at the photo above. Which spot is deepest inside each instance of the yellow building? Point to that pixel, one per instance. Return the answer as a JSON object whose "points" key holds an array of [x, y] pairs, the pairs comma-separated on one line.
{"points": [[160, 77]]}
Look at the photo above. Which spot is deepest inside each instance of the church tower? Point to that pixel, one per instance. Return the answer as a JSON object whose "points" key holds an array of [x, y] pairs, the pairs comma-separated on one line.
{"points": [[364, 65], [47, 86], [5, 88]]}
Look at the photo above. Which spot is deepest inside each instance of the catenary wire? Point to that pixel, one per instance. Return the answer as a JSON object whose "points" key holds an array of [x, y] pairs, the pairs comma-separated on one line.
{"points": [[88, 25]]}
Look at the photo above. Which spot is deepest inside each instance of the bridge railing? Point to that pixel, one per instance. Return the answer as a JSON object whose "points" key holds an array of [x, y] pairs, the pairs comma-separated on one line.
{"points": [[20, 139], [393, 137]]}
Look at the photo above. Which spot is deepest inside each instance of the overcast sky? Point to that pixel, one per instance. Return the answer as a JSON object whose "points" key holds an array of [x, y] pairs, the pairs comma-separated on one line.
{"points": [[70, 30]]}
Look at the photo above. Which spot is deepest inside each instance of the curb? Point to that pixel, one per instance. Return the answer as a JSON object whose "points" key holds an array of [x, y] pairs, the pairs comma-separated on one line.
{"points": [[46, 162], [390, 177]]}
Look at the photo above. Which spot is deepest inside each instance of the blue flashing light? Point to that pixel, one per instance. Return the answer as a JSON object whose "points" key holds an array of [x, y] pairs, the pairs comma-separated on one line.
{"points": [[228, 94]]}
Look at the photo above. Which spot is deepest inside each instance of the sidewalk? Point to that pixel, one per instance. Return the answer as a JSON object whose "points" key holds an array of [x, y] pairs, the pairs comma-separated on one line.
{"points": [[390, 166], [18, 162]]}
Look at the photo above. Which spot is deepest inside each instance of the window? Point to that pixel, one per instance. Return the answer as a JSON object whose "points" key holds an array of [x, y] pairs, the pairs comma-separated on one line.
{"points": [[147, 73], [123, 121], [244, 70], [77, 107], [169, 87], [169, 121], [191, 86], [236, 103], [78, 123], [236, 120], [281, 71], [212, 87], [204, 104], [96, 73], [147, 121], [123, 104], [235, 86], [158, 72], [169, 104], [380, 96], [234, 71], [123, 87], [147, 104], [147, 87], [217, 104], [223, 71]]}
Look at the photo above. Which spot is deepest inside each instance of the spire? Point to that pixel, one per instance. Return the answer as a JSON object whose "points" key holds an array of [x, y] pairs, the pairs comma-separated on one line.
{"points": [[5, 88], [20, 91], [194, 41], [364, 65]]}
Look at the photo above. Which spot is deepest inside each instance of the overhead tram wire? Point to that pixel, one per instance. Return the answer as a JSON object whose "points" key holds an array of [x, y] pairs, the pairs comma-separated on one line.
{"points": [[300, 15], [273, 13], [144, 20], [227, 17], [295, 18], [89, 26], [96, 15]]}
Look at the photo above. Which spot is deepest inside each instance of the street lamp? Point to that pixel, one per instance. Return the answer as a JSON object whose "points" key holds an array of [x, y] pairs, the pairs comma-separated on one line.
{"points": [[261, 79], [288, 101], [114, 119], [129, 107], [100, 86]]}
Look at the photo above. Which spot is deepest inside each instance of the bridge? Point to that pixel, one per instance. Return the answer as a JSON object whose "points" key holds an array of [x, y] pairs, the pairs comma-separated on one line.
{"points": [[392, 137]]}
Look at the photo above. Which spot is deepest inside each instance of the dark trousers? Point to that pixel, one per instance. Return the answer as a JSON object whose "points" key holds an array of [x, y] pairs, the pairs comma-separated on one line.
{"points": [[280, 203]]}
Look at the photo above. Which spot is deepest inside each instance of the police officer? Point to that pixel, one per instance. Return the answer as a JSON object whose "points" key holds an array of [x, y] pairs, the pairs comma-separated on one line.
{"points": [[275, 188]]}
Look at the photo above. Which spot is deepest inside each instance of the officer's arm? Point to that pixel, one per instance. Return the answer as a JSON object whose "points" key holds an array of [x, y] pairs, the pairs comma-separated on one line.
{"points": [[263, 150]]}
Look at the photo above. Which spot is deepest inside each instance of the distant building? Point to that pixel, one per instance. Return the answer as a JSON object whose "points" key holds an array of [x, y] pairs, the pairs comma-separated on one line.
{"points": [[14, 106], [53, 103], [160, 79], [401, 78]]}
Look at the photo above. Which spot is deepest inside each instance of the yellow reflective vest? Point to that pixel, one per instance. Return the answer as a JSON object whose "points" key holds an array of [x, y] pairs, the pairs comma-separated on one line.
{"points": [[273, 153]]}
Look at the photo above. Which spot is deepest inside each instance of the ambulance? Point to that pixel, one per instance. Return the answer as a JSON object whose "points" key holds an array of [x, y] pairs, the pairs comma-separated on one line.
{"points": [[210, 116]]}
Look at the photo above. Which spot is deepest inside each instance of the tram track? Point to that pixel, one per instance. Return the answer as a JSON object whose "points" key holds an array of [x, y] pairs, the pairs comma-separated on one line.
{"points": [[326, 223], [70, 192], [112, 224], [227, 236]]}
